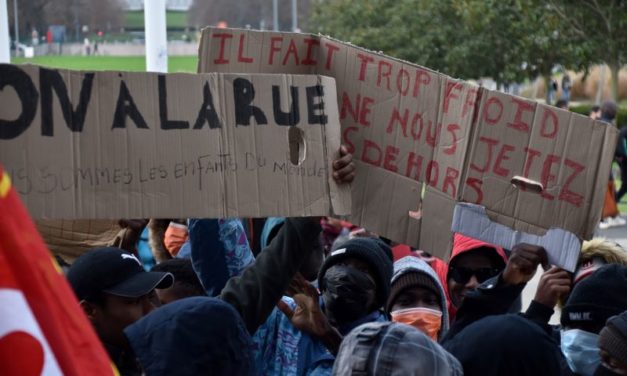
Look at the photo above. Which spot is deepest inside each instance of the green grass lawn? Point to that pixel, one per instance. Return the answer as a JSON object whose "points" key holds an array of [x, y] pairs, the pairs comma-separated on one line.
{"points": [[135, 19], [121, 63]]}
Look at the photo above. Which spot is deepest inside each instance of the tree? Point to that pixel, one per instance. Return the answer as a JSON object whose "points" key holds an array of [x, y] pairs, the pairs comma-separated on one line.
{"points": [[412, 30], [494, 42], [508, 40], [463, 38], [39, 14], [245, 13], [601, 25], [514, 40], [31, 15]]}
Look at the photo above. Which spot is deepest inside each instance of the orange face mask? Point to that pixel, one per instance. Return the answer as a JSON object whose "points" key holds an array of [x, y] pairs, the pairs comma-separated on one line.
{"points": [[427, 320], [175, 237]]}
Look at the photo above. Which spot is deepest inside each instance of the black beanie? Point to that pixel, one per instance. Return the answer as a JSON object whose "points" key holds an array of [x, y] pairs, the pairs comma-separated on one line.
{"points": [[375, 253], [613, 338], [598, 297]]}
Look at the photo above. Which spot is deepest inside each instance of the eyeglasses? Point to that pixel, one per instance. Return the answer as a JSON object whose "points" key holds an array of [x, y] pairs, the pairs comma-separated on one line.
{"points": [[462, 275]]}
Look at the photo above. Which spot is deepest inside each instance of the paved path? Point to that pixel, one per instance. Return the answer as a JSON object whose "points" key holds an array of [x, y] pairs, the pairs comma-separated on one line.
{"points": [[617, 234]]}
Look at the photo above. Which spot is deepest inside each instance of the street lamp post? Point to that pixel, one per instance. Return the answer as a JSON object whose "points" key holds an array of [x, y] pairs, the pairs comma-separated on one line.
{"points": [[156, 36], [16, 24], [5, 48], [275, 14], [77, 24], [294, 15]]}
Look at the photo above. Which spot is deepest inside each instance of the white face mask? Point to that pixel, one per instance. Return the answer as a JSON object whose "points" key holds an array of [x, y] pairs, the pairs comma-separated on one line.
{"points": [[581, 351]]}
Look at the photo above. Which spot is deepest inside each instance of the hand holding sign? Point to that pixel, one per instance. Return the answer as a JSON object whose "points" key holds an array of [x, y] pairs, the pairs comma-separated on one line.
{"points": [[523, 262], [554, 284], [344, 167]]}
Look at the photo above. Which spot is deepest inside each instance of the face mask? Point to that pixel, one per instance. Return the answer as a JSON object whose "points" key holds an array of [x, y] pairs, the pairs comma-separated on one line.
{"points": [[348, 294], [426, 320], [581, 351]]}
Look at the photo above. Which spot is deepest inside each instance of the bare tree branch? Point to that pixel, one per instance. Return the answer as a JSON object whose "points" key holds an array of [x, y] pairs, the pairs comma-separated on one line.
{"points": [[576, 26]]}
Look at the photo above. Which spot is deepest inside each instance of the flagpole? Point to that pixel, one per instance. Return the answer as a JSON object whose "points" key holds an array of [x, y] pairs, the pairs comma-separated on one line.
{"points": [[5, 41], [156, 37]]}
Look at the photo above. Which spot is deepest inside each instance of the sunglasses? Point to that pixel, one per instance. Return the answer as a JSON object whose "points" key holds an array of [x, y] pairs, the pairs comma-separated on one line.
{"points": [[463, 275]]}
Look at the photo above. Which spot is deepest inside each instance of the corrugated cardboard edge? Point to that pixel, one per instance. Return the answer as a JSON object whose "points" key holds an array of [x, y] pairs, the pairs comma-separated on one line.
{"points": [[562, 246], [340, 194]]}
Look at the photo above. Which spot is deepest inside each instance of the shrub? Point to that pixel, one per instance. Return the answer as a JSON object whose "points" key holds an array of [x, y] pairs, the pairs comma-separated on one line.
{"points": [[584, 109]]}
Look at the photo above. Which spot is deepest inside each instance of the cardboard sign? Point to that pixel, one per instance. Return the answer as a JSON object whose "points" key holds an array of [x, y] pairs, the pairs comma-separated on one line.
{"points": [[141, 145], [72, 238], [425, 141], [562, 247]]}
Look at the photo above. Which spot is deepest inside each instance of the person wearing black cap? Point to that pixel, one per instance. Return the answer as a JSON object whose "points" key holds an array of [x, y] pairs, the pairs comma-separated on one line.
{"points": [[355, 282], [592, 301], [114, 291], [303, 336]]}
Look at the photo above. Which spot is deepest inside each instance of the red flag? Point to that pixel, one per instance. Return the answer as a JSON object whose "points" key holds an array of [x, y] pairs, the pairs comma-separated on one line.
{"points": [[43, 330]]}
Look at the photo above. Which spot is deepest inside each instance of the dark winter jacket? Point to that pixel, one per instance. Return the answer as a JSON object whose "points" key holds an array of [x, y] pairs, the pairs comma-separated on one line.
{"points": [[192, 336], [505, 345]]}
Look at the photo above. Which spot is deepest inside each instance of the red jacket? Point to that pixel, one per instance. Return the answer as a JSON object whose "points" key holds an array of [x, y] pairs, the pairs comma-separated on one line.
{"points": [[463, 244]]}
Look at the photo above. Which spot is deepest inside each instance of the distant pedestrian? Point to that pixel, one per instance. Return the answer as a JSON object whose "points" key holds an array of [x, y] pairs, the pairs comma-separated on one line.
{"points": [[566, 87], [611, 215], [87, 45], [552, 91], [35, 36]]}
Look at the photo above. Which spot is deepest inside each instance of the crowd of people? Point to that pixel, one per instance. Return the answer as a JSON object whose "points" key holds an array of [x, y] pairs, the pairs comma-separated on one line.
{"points": [[320, 296]]}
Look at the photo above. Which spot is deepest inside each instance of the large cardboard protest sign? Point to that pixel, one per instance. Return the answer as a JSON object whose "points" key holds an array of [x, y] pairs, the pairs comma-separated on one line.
{"points": [[425, 141], [139, 145]]}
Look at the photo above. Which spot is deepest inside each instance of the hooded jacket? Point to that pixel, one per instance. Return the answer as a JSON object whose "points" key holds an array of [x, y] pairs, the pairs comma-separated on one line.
{"points": [[192, 336], [461, 245], [412, 264], [393, 349], [492, 297], [506, 345]]}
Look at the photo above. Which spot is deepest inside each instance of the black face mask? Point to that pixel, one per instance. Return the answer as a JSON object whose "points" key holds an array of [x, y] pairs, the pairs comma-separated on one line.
{"points": [[348, 294]]}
